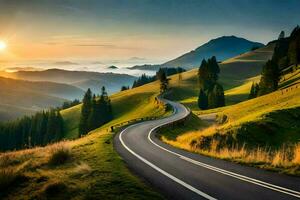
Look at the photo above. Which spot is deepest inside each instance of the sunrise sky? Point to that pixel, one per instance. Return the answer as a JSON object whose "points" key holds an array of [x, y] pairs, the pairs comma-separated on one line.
{"points": [[150, 30]]}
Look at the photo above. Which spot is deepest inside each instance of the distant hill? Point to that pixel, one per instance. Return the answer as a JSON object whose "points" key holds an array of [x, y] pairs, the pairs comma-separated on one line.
{"points": [[81, 79], [113, 67], [19, 97], [223, 48]]}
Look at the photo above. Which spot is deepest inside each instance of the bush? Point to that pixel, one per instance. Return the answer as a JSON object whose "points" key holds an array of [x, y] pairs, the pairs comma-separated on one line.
{"points": [[60, 154], [54, 190]]}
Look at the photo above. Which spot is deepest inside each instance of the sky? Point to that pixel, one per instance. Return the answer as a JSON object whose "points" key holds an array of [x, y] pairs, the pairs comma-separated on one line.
{"points": [[150, 31]]}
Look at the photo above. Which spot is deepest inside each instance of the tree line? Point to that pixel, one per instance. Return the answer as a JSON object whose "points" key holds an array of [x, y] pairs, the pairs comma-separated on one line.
{"points": [[38, 130], [211, 94], [286, 53], [69, 104], [144, 79], [95, 111]]}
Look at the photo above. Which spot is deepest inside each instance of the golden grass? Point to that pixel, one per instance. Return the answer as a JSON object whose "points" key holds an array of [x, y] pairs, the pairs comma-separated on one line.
{"points": [[284, 158], [95, 170], [60, 154]]}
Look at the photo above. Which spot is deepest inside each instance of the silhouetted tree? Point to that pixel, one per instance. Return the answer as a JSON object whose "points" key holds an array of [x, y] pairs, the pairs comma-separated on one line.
{"points": [[162, 77], [269, 78], [86, 110], [294, 47], [40, 129], [219, 95], [210, 89], [123, 88], [69, 104], [202, 100], [254, 91]]}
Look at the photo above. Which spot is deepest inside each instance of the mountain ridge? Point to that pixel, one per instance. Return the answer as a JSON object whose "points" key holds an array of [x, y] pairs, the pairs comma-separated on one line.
{"points": [[112, 81], [223, 47]]}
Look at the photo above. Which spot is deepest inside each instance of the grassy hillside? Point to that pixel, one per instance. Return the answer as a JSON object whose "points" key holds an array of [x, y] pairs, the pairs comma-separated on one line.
{"points": [[236, 77], [126, 105], [261, 131], [250, 131], [91, 169], [26, 97]]}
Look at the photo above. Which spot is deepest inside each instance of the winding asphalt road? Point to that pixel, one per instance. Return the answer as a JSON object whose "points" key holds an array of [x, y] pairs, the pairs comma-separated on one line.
{"points": [[180, 174]]}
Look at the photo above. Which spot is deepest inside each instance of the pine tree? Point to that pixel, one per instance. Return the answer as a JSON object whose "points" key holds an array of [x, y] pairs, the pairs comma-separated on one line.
{"points": [[106, 106], [162, 77], [294, 47], [212, 99], [94, 115], [51, 127], [85, 113], [219, 96], [208, 75], [256, 90], [214, 69], [251, 94], [123, 88], [269, 78], [58, 127], [202, 100], [203, 75]]}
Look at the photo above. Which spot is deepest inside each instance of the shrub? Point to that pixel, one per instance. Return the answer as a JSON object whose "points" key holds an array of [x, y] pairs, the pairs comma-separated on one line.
{"points": [[60, 154], [55, 189]]}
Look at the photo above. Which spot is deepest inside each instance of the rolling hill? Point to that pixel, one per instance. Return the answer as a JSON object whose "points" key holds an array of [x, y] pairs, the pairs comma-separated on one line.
{"points": [[81, 79], [223, 48], [26, 97], [95, 170], [93, 158], [234, 72]]}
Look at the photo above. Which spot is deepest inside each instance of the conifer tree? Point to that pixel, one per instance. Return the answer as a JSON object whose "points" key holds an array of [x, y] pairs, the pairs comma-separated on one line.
{"points": [[86, 110], [162, 77], [208, 75], [251, 94], [202, 100], [219, 96], [269, 78], [94, 115]]}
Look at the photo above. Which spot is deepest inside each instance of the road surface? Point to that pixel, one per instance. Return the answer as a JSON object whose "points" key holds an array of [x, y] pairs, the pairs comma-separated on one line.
{"points": [[179, 174]]}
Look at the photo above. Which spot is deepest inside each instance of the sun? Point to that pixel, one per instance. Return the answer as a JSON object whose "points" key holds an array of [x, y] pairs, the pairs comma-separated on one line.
{"points": [[2, 45]]}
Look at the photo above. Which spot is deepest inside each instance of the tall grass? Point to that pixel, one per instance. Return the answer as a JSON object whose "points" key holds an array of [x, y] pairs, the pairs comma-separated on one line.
{"points": [[283, 157], [60, 154]]}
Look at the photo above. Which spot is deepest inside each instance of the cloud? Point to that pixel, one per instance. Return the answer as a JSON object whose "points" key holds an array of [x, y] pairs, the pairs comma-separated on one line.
{"points": [[109, 46], [137, 59], [95, 45]]}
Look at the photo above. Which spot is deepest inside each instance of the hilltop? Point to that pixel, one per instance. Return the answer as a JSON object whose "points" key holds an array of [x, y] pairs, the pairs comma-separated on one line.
{"points": [[223, 48]]}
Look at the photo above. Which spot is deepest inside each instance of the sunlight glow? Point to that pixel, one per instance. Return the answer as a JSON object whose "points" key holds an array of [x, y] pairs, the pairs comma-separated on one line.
{"points": [[2, 45]]}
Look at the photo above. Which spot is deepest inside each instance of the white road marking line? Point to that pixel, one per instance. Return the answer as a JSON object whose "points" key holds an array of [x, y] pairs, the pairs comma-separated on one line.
{"points": [[225, 172], [186, 185]]}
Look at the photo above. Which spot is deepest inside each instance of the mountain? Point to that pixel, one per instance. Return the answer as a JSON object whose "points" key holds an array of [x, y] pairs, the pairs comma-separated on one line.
{"points": [[223, 48], [81, 79], [20, 97]]}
